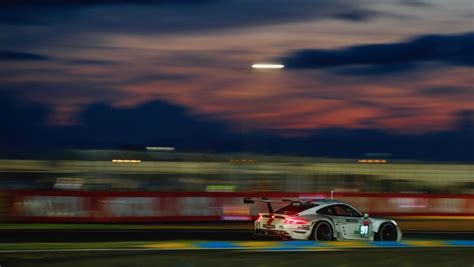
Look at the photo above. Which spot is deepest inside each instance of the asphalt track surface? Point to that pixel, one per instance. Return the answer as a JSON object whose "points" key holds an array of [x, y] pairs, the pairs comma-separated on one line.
{"points": [[454, 257], [104, 235], [104, 257]]}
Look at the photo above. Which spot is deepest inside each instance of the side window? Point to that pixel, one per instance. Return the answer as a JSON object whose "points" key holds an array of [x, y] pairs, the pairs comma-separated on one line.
{"points": [[353, 212], [346, 211], [326, 211]]}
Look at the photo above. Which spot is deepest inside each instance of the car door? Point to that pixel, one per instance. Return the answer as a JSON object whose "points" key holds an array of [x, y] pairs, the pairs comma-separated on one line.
{"points": [[351, 224]]}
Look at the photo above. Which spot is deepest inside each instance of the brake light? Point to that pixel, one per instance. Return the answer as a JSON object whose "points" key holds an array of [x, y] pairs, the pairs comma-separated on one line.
{"points": [[294, 221], [259, 217]]}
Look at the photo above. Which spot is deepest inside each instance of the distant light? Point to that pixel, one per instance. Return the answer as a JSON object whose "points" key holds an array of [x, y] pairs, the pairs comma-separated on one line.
{"points": [[372, 161], [126, 161], [267, 66], [220, 188], [160, 148], [243, 160]]}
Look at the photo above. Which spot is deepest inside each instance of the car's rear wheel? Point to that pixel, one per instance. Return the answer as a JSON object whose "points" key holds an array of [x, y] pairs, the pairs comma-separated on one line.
{"points": [[322, 231], [387, 232]]}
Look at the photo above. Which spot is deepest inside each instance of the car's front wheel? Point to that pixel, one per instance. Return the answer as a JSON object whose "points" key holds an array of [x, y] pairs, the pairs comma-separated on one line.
{"points": [[387, 232], [322, 231]]}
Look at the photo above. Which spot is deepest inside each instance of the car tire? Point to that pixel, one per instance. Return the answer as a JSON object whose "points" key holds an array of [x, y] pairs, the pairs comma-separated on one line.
{"points": [[322, 231], [387, 232]]}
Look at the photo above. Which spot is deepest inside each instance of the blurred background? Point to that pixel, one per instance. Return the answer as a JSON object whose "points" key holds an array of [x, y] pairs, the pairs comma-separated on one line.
{"points": [[173, 111], [159, 184], [162, 171]]}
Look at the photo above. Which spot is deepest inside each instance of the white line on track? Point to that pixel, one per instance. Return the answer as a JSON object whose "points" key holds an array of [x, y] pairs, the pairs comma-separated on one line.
{"points": [[79, 250]]}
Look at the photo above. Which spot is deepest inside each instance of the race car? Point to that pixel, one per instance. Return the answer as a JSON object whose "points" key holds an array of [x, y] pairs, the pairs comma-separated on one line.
{"points": [[322, 220]]}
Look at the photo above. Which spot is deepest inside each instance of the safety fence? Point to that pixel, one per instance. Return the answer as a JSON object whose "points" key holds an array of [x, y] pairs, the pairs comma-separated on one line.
{"points": [[141, 207]]}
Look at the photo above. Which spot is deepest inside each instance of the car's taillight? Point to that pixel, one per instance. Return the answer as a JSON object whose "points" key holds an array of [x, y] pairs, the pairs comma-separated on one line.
{"points": [[259, 217], [294, 221]]}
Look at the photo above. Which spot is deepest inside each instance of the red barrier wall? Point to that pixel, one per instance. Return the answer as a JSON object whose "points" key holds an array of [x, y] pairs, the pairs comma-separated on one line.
{"points": [[80, 206]]}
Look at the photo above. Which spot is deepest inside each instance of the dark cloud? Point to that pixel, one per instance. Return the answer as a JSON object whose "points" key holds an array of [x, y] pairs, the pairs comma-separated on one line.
{"points": [[357, 15], [65, 91], [42, 15], [375, 70], [89, 62], [171, 77], [102, 2], [167, 17], [415, 3], [67, 26], [455, 145], [390, 113], [447, 91], [146, 124], [465, 123], [21, 56], [448, 49], [25, 56], [24, 126]]}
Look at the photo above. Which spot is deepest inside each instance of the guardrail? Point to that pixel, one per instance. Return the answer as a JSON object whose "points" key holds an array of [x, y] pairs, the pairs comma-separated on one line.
{"points": [[142, 207]]}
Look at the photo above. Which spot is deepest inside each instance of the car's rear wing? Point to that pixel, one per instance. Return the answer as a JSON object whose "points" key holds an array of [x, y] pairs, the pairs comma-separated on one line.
{"points": [[251, 200], [248, 200]]}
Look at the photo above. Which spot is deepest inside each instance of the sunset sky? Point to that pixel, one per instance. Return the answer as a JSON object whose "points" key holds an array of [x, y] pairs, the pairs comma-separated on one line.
{"points": [[403, 68]]}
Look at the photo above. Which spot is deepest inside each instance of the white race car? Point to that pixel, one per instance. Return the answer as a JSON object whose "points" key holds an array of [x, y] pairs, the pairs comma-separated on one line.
{"points": [[322, 220]]}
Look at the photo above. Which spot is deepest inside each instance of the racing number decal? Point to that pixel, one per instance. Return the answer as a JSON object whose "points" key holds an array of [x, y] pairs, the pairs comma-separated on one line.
{"points": [[364, 228]]}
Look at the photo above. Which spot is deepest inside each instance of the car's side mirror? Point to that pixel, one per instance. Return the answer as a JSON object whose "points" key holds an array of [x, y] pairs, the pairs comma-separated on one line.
{"points": [[366, 215]]}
